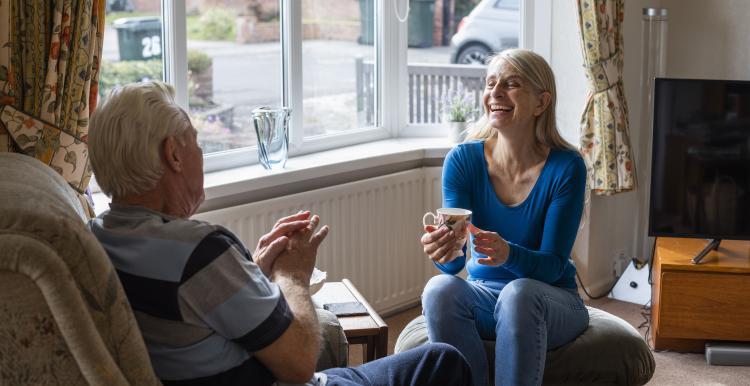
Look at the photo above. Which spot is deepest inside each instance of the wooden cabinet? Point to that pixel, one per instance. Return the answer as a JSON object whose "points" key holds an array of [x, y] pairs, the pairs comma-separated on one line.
{"points": [[693, 303]]}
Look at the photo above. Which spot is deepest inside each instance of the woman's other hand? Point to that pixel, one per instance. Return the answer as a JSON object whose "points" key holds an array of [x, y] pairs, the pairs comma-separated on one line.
{"points": [[490, 244], [439, 243]]}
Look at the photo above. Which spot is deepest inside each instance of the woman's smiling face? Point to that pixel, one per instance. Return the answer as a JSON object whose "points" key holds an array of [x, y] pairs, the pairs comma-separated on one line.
{"points": [[510, 101]]}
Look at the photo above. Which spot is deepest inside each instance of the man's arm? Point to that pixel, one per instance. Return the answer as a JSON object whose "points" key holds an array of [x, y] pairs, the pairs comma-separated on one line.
{"points": [[292, 357]]}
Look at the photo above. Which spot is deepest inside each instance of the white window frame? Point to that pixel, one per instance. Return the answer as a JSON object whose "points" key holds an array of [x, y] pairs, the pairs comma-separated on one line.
{"points": [[298, 143], [391, 101], [535, 34], [174, 34]]}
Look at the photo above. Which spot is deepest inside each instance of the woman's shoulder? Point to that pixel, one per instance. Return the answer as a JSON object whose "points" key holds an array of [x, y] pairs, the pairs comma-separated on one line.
{"points": [[566, 157], [566, 162], [465, 159], [467, 150]]}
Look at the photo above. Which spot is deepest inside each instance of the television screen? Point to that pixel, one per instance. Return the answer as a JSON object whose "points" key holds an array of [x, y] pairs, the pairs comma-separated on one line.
{"points": [[700, 165]]}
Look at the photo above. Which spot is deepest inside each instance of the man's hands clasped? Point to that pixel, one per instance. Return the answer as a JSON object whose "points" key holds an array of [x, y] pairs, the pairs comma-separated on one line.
{"points": [[298, 259], [291, 247]]}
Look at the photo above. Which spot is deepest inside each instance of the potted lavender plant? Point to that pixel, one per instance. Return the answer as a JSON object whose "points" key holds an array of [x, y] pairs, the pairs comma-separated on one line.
{"points": [[457, 111]]}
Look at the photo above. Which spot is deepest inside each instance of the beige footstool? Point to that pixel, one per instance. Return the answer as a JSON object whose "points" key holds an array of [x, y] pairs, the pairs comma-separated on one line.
{"points": [[609, 352]]}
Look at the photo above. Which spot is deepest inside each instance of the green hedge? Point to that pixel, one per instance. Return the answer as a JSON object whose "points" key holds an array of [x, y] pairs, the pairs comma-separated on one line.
{"points": [[198, 61], [114, 74], [214, 24]]}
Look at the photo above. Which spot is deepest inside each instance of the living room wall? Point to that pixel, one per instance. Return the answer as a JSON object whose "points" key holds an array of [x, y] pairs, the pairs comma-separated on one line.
{"points": [[706, 39], [607, 229]]}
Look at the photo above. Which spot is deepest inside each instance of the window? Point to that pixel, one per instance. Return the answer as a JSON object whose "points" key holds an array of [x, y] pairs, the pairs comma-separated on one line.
{"points": [[447, 57], [234, 66], [339, 64], [132, 48], [507, 4], [227, 58], [337, 43]]}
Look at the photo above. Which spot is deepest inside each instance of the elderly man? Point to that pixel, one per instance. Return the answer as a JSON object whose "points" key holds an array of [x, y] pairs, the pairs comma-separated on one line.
{"points": [[211, 312]]}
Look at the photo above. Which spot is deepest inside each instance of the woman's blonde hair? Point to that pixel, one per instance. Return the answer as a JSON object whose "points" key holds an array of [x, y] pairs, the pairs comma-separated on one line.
{"points": [[532, 67]]}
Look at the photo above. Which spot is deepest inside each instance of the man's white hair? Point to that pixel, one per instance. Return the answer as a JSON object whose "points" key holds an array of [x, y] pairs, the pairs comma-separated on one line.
{"points": [[126, 135]]}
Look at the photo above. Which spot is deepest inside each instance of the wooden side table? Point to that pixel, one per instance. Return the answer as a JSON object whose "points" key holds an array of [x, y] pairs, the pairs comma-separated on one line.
{"points": [[369, 330], [695, 303]]}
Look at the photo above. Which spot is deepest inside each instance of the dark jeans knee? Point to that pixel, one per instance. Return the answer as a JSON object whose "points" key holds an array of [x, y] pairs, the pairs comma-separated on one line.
{"points": [[449, 364]]}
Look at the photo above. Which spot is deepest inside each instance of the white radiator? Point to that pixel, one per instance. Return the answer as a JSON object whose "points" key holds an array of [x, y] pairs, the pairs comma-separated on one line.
{"points": [[375, 229]]}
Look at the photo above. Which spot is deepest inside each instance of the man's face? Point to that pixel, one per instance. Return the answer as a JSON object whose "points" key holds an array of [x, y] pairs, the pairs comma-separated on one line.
{"points": [[193, 168]]}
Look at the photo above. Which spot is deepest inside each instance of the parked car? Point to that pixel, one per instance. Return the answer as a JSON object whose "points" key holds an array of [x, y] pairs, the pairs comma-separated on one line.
{"points": [[118, 6], [492, 26]]}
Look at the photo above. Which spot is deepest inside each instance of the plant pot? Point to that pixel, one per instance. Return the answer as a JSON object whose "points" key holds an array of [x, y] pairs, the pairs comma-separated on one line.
{"points": [[204, 83], [457, 131]]}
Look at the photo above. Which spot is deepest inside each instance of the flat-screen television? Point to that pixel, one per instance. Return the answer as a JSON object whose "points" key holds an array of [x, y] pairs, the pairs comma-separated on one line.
{"points": [[700, 165]]}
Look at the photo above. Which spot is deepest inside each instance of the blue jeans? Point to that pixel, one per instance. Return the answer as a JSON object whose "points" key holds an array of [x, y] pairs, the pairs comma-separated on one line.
{"points": [[432, 364], [524, 317]]}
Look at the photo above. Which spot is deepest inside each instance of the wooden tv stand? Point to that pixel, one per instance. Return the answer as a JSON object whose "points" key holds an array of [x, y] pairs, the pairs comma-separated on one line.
{"points": [[694, 303]]}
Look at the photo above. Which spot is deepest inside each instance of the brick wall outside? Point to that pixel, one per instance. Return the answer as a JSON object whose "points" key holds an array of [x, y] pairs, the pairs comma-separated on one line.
{"points": [[322, 19], [241, 6], [249, 31], [146, 5], [437, 30]]}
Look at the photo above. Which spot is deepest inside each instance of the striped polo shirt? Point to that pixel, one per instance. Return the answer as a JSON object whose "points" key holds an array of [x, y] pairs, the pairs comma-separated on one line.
{"points": [[201, 303]]}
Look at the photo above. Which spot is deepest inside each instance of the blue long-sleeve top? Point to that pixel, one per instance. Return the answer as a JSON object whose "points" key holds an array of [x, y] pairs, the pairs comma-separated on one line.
{"points": [[540, 230]]}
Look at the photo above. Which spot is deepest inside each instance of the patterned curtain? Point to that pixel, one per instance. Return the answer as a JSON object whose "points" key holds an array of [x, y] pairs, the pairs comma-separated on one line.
{"points": [[605, 139], [50, 52]]}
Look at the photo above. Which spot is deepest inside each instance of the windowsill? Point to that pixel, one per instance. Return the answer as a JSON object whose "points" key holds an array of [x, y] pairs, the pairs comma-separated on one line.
{"points": [[253, 183]]}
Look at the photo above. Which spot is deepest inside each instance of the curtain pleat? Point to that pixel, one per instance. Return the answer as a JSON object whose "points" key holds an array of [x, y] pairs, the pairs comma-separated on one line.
{"points": [[605, 138], [49, 68]]}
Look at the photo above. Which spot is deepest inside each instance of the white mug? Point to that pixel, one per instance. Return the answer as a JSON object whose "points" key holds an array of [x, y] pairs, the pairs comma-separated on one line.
{"points": [[454, 219]]}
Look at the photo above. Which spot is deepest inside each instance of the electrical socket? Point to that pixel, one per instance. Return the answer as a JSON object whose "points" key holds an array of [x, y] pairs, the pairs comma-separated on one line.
{"points": [[619, 262]]}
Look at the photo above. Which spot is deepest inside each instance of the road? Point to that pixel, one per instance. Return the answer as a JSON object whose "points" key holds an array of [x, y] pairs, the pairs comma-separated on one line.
{"points": [[250, 74], [247, 76]]}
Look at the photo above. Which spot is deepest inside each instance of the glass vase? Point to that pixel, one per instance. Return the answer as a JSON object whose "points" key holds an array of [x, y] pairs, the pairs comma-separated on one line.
{"points": [[272, 128]]}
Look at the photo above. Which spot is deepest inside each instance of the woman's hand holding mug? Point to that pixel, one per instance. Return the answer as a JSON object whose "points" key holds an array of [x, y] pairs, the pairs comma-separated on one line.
{"points": [[446, 234]]}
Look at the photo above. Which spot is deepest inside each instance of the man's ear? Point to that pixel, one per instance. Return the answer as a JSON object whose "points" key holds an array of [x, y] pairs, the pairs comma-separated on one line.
{"points": [[544, 100], [171, 155]]}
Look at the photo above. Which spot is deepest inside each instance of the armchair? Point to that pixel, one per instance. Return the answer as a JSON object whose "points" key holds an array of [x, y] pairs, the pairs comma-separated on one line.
{"points": [[64, 318]]}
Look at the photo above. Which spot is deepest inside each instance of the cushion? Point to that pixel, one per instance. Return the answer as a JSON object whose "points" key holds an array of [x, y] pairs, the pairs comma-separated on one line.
{"points": [[609, 352], [335, 348]]}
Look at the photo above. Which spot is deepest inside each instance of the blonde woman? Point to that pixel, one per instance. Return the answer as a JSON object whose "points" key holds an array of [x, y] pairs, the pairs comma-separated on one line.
{"points": [[525, 186]]}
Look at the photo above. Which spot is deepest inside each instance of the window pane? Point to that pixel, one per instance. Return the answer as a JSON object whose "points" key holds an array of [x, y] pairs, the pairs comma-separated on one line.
{"points": [[338, 65], [446, 36], [132, 48], [234, 66]]}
